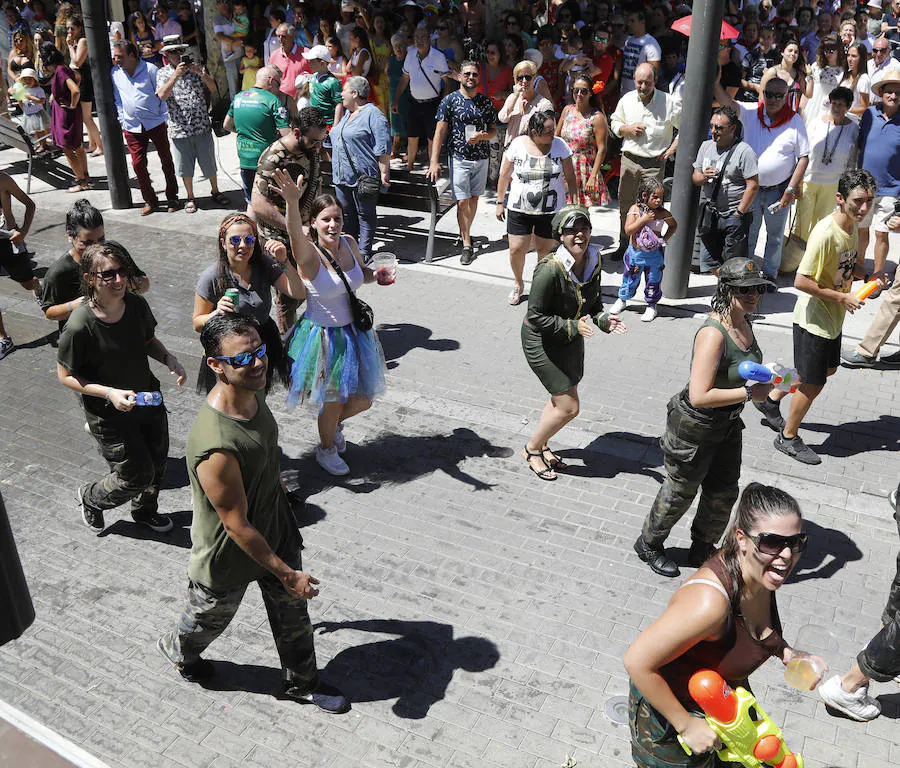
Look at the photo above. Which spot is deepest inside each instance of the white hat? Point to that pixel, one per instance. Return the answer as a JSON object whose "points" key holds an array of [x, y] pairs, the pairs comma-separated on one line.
{"points": [[317, 52], [173, 44], [875, 4], [27, 73], [533, 55], [347, 8], [302, 79]]}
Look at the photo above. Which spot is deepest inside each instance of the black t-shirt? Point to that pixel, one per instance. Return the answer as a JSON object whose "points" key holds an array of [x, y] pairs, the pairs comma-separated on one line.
{"points": [[112, 354], [62, 283]]}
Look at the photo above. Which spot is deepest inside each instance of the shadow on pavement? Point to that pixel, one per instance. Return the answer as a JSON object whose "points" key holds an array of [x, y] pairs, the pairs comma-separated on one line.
{"points": [[415, 667], [852, 438], [179, 536], [392, 458], [252, 678], [822, 543], [614, 453], [397, 339]]}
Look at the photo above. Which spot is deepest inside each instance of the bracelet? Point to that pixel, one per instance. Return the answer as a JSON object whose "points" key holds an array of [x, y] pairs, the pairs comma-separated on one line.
{"points": [[106, 396], [69, 306], [791, 190]]}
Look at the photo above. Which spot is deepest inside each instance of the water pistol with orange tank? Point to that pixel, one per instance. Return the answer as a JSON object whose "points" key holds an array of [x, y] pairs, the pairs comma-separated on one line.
{"points": [[752, 743]]}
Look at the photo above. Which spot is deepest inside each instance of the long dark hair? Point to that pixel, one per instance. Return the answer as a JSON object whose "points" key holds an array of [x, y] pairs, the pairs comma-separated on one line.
{"points": [[360, 34], [721, 300], [758, 502], [224, 275], [832, 41]]}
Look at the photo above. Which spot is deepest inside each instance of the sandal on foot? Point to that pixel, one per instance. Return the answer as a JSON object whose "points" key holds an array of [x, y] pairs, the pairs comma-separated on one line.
{"points": [[547, 473], [96, 153], [515, 296], [221, 198], [190, 207], [552, 460]]}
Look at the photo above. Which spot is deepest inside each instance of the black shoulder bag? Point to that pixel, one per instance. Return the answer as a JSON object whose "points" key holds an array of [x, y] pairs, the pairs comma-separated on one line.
{"points": [[708, 218], [363, 316], [367, 187]]}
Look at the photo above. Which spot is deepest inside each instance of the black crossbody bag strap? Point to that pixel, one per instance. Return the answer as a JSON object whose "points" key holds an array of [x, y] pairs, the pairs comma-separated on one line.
{"points": [[718, 183], [336, 266], [437, 93]]}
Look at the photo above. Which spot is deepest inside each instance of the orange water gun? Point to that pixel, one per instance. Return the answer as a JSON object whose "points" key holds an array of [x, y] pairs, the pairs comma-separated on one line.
{"points": [[868, 289], [752, 743]]}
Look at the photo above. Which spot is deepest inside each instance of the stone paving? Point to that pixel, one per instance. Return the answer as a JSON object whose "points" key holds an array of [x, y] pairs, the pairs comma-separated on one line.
{"points": [[476, 615]]}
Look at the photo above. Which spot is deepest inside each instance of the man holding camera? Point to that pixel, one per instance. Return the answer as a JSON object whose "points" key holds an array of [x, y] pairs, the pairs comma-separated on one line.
{"points": [[180, 85]]}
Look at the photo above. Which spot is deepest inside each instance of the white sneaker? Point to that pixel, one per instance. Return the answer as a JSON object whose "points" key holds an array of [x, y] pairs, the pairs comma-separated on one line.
{"points": [[617, 307], [329, 460], [340, 443], [858, 706], [649, 315]]}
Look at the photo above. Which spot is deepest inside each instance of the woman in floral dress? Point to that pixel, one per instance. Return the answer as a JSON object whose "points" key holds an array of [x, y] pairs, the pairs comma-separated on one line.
{"points": [[583, 128]]}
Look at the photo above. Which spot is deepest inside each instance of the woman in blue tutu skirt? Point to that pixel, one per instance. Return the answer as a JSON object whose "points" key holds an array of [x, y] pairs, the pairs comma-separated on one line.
{"points": [[334, 365]]}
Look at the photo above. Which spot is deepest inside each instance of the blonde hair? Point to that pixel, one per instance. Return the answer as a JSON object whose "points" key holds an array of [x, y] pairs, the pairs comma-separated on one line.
{"points": [[524, 68]]}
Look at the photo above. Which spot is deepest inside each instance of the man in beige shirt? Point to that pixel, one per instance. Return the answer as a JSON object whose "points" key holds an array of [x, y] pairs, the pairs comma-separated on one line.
{"points": [[645, 119]]}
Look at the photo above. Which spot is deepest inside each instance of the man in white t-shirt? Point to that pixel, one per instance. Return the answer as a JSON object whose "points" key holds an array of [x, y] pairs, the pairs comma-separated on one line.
{"points": [[640, 48], [778, 136], [879, 65]]}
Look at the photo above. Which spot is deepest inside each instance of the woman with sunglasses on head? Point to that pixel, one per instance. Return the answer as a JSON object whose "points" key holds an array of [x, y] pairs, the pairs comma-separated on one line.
{"points": [[702, 442], [243, 266], [102, 356], [583, 127], [724, 618], [826, 73], [336, 367]]}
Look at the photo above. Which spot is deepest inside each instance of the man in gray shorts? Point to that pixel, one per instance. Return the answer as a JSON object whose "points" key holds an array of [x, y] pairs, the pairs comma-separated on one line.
{"points": [[470, 119], [180, 84]]}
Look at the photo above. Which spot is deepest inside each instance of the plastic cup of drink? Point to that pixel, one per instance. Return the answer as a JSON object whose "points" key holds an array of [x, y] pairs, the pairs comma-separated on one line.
{"points": [[384, 265], [804, 671]]}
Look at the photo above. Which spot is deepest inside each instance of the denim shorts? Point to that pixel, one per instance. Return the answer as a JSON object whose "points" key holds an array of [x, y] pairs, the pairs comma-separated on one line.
{"points": [[468, 178], [194, 149]]}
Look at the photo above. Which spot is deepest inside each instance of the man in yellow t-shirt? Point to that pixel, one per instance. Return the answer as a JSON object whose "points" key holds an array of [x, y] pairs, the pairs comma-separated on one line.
{"points": [[824, 278]]}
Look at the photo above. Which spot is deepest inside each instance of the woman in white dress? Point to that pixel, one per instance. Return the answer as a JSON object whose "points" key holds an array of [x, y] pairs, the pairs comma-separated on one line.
{"points": [[827, 72]]}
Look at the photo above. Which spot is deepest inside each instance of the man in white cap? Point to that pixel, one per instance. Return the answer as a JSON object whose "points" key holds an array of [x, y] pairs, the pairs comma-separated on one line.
{"points": [[325, 88], [289, 60]]}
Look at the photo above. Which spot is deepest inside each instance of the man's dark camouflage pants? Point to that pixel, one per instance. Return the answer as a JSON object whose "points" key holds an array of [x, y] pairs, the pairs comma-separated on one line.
{"points": [[209, 612], [702, 452]]}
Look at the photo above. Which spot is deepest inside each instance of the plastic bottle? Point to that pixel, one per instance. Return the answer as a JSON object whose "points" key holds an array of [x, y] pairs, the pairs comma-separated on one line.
{"points": [[148, 398]]}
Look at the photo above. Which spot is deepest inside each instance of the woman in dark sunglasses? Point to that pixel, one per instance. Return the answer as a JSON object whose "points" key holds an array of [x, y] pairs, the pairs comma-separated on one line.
{"points": [[723, 618], [242, 265], [102, 356], [702, 441]]}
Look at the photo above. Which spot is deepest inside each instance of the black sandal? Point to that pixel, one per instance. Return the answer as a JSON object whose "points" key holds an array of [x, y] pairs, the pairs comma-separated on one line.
{"points": [[555, 462], [543, 474]]}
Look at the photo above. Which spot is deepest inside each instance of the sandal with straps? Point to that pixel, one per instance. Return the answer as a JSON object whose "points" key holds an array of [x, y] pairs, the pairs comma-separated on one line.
{"points": [[554, 461], [547, 473]]}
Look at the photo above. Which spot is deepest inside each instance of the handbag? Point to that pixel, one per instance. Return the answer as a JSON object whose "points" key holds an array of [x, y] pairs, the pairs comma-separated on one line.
{"points": [[363, 316], [793, 249], [367, 187], [708, 221]]}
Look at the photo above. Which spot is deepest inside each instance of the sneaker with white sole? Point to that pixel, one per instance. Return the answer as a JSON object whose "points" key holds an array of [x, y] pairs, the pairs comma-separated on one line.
{"points": [[796, 449], [6, 346], [340, 443], [93, 518], [857, 705], [153, 520], [649, 315], [617, 307], [330, 461]]}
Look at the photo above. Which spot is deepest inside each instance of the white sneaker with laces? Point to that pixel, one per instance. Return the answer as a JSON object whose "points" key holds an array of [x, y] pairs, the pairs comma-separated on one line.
{"points": [[329, 460], [617, 307], [649, 315], [857, 705], [340, 442]]}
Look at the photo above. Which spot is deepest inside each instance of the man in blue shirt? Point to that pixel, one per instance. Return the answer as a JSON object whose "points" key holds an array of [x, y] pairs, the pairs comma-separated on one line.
{"points": [[470, 119], [142, 115]]}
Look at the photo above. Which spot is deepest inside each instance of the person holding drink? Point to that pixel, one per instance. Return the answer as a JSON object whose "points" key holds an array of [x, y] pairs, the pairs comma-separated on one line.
{"points": [[338, 364], [724, 618]]}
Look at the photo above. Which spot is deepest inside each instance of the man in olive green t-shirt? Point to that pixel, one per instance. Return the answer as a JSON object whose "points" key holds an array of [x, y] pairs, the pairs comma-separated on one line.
{"points": [[823, 278], [243, 529]]}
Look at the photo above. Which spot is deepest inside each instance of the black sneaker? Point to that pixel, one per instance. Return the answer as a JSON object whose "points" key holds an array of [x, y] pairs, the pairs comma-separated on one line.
{"points": [[93, 518], [700, 552], [326, 697], [158, 523], [468, 255], [771, 412], [796, 449], [6, 346], [657, 559], [893, 359], [195, 672], [855, 360]]}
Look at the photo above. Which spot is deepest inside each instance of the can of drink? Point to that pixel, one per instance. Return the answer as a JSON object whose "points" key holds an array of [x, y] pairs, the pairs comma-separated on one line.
{"points": [[234, 295]]}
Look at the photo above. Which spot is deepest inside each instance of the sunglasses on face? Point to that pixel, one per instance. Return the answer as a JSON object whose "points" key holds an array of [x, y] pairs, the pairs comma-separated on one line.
{"points": [[880, 50], [235, 240], [775, 94], [578, 91], [575, 229], [470, 74], [717, 128], [442, 29], [830, 50], [598, 39], [524, 78], [745, 289], [774, 543], [724, 46], [108, 275], [244, 358]]}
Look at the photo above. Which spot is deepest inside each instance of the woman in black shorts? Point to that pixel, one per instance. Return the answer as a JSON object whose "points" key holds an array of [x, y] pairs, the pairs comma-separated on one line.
{"points": [[538, 171]]}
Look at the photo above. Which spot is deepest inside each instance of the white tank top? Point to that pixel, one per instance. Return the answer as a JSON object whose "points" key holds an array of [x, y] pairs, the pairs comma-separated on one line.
{"points": [[327, 302]]}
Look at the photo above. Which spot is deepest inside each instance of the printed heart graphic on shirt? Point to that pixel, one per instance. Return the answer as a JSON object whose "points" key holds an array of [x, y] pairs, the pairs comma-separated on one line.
{"points": [[534, 198]]}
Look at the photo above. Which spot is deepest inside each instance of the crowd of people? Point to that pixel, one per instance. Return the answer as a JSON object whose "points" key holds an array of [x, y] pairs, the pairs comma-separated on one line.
{"points": [[569, 107]]}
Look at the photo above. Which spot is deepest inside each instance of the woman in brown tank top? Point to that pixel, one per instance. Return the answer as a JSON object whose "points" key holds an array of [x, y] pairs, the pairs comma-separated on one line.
{"points": [[723, 618]]}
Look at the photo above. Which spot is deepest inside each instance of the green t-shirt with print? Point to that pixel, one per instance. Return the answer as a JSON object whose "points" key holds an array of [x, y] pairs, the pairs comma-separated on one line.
{"points": [[258, 115], [325, 95]]}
